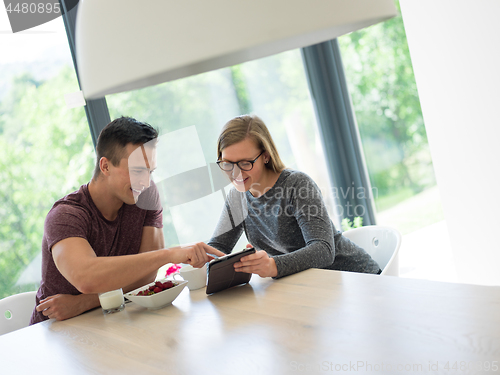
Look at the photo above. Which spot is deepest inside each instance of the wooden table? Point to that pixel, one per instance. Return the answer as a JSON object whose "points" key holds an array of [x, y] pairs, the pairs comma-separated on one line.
{"points": [[316, 321]]}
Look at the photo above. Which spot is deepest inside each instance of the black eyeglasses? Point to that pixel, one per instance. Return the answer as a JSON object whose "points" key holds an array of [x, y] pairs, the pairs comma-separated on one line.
{"points": [[244, 165]]}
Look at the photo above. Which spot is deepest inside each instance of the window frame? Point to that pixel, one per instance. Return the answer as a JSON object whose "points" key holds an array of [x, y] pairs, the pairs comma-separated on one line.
{"points": [[339, 131], [96, 110], [334, 114]]}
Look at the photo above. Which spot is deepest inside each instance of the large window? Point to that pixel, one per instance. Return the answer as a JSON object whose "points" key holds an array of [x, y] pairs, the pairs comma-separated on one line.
{"points": [[190, 113], [46, 149], [385, 99]]}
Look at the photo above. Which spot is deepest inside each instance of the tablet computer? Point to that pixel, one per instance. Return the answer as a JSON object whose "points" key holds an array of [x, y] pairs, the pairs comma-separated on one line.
{"points": [[221, 273]]}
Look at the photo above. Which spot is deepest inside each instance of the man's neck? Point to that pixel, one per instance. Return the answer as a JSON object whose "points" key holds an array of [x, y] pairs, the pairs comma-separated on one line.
{"points": [[104, 201]]}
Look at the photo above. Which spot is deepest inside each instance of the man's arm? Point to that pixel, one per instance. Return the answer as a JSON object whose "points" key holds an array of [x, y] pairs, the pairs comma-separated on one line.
{"points": [[65, 306], [152, 239], [78, 263]]}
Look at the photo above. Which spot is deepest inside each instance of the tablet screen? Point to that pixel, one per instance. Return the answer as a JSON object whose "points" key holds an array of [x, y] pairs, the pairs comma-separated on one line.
{"points": [[221, 273]]}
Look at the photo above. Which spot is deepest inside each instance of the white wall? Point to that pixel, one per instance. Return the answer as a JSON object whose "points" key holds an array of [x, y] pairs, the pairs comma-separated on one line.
{"points": [[455, 50]]}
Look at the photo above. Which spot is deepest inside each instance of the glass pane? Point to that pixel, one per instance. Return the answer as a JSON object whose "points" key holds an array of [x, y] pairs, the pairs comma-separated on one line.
{"points": [[385, 99], [190, 113], [279, 94], [46, 147]]}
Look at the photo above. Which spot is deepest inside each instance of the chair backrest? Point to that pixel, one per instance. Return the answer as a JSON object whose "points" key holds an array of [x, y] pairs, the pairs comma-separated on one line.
{"points": [[382, 243], [16, 311]]}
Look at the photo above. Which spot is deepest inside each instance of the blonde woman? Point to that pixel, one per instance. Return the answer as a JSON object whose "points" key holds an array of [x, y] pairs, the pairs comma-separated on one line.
{"points": [[280, 210]]}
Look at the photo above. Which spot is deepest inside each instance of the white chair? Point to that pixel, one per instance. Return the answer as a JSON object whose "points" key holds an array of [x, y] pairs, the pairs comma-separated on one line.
{"points": [[16, 311], [382, 243]]}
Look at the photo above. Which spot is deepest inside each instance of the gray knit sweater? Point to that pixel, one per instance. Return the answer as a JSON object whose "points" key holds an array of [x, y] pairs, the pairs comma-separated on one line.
{"points": [[291, 224]]}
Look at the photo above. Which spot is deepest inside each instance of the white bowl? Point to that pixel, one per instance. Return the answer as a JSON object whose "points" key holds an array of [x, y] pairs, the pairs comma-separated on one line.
{"points": [[157, 300]]}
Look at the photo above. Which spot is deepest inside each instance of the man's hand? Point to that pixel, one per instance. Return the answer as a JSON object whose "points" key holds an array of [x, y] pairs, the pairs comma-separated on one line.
{"points": [[259, 263], [65, 306], [194, 254]]}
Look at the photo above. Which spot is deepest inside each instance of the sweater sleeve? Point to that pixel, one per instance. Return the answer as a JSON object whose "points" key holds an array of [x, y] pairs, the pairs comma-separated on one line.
{"points": [[230, 225], [307, 206]]}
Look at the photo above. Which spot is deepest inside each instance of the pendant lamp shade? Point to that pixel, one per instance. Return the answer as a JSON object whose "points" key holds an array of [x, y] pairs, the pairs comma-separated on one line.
{"points": [[123, 45]]}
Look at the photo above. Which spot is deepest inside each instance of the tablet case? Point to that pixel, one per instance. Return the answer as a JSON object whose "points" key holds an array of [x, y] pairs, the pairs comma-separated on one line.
{"points": [[221, 273]]}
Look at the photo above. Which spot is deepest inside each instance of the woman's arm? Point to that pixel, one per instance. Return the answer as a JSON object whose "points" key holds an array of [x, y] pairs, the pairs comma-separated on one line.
{"points": [[316, 228], [301, 227], [230, 225]]}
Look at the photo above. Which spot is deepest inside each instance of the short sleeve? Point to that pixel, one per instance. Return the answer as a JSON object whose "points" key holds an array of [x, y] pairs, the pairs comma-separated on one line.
{"points": [[65, 221], [154, 219]]}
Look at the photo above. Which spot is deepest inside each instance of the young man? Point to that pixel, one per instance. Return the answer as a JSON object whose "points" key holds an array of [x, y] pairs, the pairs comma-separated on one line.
{"points": [[108, 234]]}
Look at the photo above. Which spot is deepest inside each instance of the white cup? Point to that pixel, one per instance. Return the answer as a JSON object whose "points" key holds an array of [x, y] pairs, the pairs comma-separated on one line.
{"points": [[112, 301], [196, 277]]}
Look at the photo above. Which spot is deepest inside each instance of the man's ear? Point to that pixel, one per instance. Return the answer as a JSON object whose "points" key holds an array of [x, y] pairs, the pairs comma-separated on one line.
{"points": [[104, 166]]}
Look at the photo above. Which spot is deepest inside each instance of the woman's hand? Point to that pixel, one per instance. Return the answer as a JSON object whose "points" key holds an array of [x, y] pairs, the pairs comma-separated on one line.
{"points": [[259, 263]]}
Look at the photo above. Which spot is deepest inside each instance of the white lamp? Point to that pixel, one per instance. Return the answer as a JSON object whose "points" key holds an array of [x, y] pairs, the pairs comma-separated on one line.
{"points": [[124, 45]]}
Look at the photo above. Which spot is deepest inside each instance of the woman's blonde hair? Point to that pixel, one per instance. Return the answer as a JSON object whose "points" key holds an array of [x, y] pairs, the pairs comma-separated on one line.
{"points": [[250, 126]]}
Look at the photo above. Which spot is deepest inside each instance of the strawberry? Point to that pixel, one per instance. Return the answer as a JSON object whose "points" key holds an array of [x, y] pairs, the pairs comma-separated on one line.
{"points": [[157, 288], [168, 284]]}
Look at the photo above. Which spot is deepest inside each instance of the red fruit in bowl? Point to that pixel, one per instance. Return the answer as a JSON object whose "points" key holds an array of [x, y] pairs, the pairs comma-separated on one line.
{"points": [[157, 288], [168, 284]]}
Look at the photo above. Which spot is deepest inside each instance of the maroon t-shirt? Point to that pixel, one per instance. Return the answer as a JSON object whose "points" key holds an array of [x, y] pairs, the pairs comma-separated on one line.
{"points": [[76, 215]]}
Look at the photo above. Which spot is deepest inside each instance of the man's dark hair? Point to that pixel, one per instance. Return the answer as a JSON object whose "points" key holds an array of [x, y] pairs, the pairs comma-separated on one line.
{"points": [[117, 134]]}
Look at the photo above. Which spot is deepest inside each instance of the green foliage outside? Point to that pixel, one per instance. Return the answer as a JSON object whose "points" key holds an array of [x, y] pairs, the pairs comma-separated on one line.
{"points": [[347, 224], [47, 152], [385, 98]]}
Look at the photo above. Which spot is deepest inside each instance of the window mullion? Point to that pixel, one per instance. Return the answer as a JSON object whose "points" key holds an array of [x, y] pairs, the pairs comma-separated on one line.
{"points": [[96, 110], [339, 133]]}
